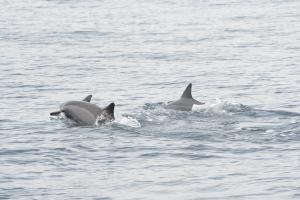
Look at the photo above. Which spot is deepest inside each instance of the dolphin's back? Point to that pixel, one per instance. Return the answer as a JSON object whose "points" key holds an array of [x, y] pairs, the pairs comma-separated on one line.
{"points": [[92, 108], [181, 104], [80, 115]]}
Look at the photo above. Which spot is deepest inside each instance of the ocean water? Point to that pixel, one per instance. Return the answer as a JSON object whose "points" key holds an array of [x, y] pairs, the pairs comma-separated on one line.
{"points": [[241, 56]]}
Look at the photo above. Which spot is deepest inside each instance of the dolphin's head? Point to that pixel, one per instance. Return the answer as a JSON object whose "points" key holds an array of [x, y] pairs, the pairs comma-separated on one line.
{"points": [[107, 114]]}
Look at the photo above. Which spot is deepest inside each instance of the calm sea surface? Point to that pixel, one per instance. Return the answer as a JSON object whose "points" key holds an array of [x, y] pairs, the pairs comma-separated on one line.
{"points": [[243, 58]]}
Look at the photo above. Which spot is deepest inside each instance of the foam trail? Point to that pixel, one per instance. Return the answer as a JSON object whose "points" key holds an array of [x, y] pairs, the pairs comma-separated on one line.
{"points": [[222, 107]]}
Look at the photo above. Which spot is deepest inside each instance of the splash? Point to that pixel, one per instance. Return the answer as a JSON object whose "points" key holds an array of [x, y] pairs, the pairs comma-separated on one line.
{"points": [[220, 107], [128, 120], [101, 119]]}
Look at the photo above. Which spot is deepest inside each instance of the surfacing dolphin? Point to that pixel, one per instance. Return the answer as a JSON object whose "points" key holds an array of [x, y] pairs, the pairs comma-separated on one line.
{"points": [[85, 113], [186, 102]]}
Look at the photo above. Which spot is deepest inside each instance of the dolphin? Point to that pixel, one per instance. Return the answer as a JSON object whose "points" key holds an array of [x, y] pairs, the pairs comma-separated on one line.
{"points": [[186, 102], [85, 113]]}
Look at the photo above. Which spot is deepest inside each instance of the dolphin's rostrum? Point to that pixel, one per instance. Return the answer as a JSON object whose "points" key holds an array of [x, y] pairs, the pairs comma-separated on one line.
{"points": [[85, 113], [186, 102]]}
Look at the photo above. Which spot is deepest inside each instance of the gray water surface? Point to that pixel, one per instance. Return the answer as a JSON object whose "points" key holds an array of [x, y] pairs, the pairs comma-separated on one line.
{"points": [[241, 56]]}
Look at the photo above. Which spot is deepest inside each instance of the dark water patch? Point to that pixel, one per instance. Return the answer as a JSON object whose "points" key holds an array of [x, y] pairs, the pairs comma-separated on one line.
{"points": [[60, 150], [190, 155], [15, 152], [7, 121], [194, 156], [102, 198], [279, 113], [81, 148], [21, 161], [5, 196], [150, 155], [198, 147]]}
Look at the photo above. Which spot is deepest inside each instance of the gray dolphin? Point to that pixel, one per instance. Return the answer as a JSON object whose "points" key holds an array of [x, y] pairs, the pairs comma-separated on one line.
{"points": [[85, 113], [186, 102]]}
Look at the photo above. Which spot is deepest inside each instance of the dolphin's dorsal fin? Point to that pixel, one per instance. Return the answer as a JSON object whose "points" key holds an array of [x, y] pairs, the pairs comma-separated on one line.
{"points": [[110, 110], [187, 92], [188, 95], [88, 98]]}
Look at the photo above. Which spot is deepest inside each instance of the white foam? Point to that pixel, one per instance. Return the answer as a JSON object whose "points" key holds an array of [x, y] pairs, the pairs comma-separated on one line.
{"points": [[128, 121], [270, 131], [220, 107]]}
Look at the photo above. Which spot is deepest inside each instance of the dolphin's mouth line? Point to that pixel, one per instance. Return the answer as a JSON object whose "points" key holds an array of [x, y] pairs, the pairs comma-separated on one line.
{"points": [[56, 113]]}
